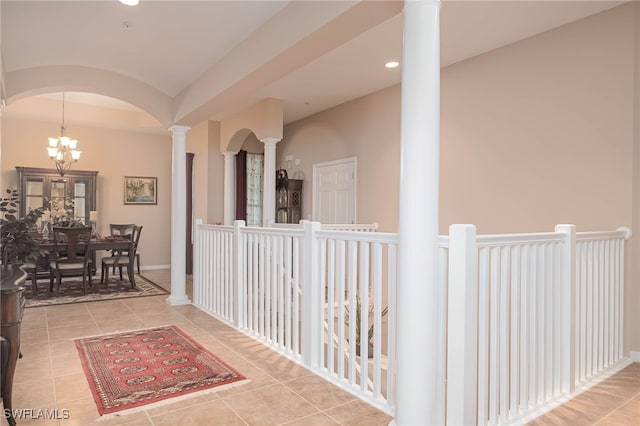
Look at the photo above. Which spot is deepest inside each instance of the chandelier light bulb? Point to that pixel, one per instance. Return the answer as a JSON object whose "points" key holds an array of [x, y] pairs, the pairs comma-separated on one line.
{"points": [[129, 2]]}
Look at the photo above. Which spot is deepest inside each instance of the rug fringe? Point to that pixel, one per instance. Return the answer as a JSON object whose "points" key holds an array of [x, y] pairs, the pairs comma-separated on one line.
{"points": [[123, 331], [169, 401]]}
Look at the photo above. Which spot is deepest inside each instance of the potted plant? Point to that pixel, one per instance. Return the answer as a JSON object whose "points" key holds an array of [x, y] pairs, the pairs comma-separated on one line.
{"points": [[358, 318], [16, 235]]}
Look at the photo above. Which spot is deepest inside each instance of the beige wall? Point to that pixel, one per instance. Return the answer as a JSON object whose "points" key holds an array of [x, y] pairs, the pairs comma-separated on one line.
{"points": [[114, 154], [540, 132], [534, 134], [366, 128]]}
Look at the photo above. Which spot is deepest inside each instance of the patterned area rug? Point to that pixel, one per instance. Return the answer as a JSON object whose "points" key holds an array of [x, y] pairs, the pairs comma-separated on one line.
{"points": [[135, 368], [71, 291]]}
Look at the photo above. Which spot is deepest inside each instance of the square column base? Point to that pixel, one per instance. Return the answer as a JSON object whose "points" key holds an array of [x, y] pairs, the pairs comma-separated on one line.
{"points": [[178, 301]]}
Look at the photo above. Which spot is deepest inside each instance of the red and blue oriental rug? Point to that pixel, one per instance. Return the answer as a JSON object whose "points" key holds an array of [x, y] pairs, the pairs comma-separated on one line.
{"points": [[132, 369]]}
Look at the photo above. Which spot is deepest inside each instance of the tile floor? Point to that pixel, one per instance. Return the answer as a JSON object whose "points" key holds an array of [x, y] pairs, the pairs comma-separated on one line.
{"points": [[280, 392], [614, 401]]}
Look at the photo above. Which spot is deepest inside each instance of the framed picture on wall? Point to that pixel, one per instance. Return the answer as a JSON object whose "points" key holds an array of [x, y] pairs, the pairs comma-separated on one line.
{"points": [[140, 190]]}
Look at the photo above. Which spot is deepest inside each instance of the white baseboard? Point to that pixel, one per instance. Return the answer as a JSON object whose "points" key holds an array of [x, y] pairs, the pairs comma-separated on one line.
{"points": [[635, 356], [151, 267]]}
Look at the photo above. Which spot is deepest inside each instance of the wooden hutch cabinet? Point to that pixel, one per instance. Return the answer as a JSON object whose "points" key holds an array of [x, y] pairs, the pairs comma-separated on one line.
{"points": [[39, 187], [289, 202]]}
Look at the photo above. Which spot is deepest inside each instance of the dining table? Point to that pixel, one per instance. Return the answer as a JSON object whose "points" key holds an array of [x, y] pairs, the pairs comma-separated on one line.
{"points": [[113, 243]]}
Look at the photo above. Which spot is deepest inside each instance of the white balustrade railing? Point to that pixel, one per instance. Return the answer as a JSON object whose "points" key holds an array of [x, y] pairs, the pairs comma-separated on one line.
{"points": [[295, 288], [599, 301], [531, 317], [360, 227], [358, 272], [524, 319]]}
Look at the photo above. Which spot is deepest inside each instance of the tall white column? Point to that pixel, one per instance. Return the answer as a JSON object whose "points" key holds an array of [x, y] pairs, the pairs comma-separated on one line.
{"points": [[229, 187], [269, 181], [417, 322], [178, 218]]}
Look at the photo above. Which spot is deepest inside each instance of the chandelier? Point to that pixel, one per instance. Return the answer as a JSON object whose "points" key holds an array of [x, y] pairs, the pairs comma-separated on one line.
{"points": [[63, 150]]}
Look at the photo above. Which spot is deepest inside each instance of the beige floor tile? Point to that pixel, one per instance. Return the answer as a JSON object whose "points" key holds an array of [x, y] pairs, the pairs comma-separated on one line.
{"points": [[36, 418], [595, 403], [319, 392], [358, 413], [281, 368], [35, 336], [318, 419], [36, 319], [70, 320], [35, 350], [83, 412], [34, 394], [71, 387], [623, 386], [62, 348], [66, 310], [188, 401], [564, 417], [225, 354], [66, 365], [271, 405], [202, 414], [257, 379], [29, 370], [72, 332], [120, 324], [627, 415]]}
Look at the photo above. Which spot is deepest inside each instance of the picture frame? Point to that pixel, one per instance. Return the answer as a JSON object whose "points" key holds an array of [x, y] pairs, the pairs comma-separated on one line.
{"points": [[140, 190]]}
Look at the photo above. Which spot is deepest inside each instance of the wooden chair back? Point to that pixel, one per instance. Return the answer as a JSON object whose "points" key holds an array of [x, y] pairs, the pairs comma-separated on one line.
{"points": [[122, 228], [66, 240]]}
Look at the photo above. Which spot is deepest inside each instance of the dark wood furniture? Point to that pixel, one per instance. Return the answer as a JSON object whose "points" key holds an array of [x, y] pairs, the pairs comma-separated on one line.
{"points": [[69, 257], [289, 202], [109, 243], [12, 308], [125, 229], [122, 258], [39, 187]]}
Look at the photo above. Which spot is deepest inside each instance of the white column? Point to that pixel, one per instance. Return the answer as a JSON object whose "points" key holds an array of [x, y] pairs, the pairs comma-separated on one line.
{"points": [[229, 187], [417, 322], [178, 217], [269, 181]]}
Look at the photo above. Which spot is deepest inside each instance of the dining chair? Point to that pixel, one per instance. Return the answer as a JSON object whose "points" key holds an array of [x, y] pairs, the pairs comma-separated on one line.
{"points": [[121, 258], [70, 257], [124, 229]]}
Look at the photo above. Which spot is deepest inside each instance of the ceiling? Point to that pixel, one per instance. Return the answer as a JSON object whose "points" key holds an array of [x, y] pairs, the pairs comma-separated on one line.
{"points": [[210, 59]]}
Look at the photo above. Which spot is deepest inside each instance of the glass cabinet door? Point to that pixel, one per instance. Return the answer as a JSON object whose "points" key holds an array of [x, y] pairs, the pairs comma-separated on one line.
{"points": [[80, 200], [70, 197], [58, 194], [34, 193]]}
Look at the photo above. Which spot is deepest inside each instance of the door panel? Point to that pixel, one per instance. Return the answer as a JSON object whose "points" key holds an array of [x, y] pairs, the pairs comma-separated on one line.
{"points": [[334, 191]]}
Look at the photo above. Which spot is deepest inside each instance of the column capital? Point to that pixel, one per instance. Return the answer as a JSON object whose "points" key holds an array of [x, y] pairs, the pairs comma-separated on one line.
{"points": [[179, 129], [270, 141], [229, 153]]}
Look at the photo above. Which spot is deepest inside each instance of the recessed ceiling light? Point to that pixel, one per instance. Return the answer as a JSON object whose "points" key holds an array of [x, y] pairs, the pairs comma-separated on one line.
{"points": [[129, 2], [392, 64]]}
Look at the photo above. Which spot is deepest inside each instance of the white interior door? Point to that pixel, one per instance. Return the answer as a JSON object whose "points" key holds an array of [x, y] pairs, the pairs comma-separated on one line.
{"points": [[334, 191]]}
